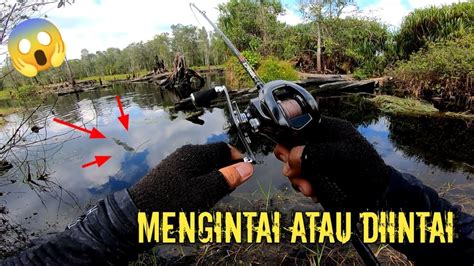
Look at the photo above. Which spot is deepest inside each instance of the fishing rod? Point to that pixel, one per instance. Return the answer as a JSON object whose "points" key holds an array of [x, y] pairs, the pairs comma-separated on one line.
{"points": [[258, 82], [283, 111]]}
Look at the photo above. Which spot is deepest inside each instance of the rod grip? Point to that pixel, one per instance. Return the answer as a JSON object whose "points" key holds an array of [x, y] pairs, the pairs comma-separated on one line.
{"points": [[204, 98]]}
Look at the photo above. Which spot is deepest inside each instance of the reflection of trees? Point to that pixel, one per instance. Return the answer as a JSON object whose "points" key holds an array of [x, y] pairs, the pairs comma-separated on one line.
{"points": [[353, 108], [67, 107], [28, 154], [444, 142]]}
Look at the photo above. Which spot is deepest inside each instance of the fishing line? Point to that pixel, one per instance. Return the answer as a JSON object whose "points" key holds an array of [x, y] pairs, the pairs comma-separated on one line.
{"points": [[194, 14]]}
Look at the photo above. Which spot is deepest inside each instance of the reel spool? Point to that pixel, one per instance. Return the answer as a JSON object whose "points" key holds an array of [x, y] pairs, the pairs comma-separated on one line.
{"points": [[291, 108], [284, 110]]}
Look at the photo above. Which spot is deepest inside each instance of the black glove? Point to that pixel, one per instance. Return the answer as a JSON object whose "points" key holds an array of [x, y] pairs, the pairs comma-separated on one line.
{"points": [[343, 168], [186, 180]]}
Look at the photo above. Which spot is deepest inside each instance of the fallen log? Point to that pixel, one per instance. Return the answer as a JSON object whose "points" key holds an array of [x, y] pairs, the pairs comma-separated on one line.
{"points": [[367, 86], [318, 81], [304, 75]]}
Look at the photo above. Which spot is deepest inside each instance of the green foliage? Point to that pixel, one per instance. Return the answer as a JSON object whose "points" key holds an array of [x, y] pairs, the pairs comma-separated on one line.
{"points": [[443, 68], [423, 26], [27, 96], [360, 74], [272, 69], [269, 68], [252, 25], [317, 10], [354, 43], [6, 94], [236, 76]]}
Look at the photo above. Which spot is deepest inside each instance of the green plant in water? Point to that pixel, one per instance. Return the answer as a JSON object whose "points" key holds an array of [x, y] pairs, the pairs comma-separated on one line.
{"points": [[409, 106], [395, 105]]}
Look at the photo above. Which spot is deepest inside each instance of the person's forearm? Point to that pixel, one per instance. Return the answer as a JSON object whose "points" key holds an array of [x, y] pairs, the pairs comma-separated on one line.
{"points": [[106, 234], [406, 193]]}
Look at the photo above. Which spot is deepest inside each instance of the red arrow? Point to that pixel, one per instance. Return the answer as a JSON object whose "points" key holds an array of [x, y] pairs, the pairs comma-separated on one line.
{"points": [[124, 118], [99, 160], [94, 133]]}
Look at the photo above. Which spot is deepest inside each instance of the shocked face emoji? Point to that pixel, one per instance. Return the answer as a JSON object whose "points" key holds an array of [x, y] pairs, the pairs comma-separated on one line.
{"points": [[35, 45]]}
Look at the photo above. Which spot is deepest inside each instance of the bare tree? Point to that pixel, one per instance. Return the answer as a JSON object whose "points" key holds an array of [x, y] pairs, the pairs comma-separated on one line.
{"points": [[316, 11]]}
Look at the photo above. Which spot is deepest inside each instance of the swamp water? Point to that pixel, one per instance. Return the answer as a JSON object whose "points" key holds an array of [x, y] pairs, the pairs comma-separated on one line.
{"points": [[439, 151]]}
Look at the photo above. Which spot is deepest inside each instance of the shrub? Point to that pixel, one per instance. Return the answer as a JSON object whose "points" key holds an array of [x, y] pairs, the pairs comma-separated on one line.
{"points": [[236, 75], [360, 74], [272, 69], [423, 26], [444, 69], [355, 43]]}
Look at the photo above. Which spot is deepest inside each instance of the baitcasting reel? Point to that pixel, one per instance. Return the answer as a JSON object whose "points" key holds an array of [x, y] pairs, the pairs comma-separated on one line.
{"points": [[283, 111]]}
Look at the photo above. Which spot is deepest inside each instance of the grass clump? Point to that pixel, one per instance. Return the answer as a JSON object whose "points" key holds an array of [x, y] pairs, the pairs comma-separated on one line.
{"points": [[396, 105], [409, 106]]}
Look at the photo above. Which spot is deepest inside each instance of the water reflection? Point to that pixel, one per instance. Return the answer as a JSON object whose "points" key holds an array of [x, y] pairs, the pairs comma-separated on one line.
{"points": [[156, 131], [449, 143]]}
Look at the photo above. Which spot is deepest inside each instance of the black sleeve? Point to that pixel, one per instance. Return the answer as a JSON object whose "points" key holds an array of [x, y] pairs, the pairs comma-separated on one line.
{"points": [[107, 234], [406, 193]]}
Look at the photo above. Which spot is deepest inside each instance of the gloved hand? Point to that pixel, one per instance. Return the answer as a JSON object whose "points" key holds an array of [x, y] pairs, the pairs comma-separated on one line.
{"points": [[192, 178], [338, 166]]}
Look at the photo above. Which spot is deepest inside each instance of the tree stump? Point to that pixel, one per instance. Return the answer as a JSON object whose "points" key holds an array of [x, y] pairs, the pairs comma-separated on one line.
{"points": [[182, 81]]}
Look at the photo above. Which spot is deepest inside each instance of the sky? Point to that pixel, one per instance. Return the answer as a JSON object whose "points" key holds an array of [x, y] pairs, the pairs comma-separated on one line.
{"points": [[99, 24]]}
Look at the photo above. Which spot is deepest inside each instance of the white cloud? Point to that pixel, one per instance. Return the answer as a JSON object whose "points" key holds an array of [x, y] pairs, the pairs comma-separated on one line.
{"points": [[117, 23], [388, 11], [290, 17], [393, 11], [422, 3]]}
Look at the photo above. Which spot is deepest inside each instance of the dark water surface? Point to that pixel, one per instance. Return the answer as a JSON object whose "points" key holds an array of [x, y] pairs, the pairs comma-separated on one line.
{"points": [[438, 151]]}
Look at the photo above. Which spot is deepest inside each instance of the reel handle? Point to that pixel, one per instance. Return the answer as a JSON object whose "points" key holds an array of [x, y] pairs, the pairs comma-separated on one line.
{"points": [[204, 98]]}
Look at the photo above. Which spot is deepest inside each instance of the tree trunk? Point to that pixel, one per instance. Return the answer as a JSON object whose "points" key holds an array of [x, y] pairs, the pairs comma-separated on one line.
{"points": [[71, 75], [318, 55]]}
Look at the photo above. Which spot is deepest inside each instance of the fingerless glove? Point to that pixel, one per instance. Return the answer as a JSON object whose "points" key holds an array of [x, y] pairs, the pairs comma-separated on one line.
{"points": [[186, 180]]}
